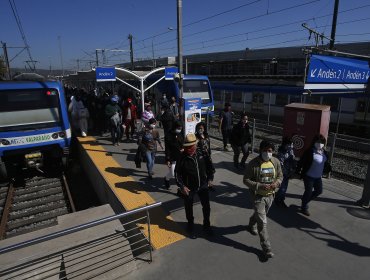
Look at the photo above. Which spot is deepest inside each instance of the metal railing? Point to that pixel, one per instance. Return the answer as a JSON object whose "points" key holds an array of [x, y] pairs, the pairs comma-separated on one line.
{"points": [[345, 151], [106, 251]]}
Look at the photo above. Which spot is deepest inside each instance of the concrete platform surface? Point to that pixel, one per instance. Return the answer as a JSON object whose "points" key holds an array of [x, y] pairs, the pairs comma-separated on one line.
{"points": [[333, 243]]}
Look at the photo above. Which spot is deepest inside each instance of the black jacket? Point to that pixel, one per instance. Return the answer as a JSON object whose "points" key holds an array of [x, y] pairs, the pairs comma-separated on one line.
{"points": [[173, 142], [193, 172], [239, 135], [305, 162], [167, 119]]}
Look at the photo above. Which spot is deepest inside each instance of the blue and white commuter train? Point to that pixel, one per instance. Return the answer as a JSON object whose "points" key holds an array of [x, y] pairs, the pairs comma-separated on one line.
{"points": [[34, 126]]}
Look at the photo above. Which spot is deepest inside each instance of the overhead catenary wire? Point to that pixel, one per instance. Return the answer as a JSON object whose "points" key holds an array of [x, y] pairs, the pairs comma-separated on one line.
{"points": [[271, 27], [23, 35], [139, 51]]}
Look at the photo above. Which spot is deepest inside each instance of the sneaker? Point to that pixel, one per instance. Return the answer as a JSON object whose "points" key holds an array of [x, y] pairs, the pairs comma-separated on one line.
{"points": [[268, 254], [305, 212], [362, 204], [166, 183], [150, 177], [252, 230]]}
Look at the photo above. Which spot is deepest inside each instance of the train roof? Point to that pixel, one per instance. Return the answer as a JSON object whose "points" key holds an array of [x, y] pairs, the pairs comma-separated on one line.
{"points": [[8, 85]]}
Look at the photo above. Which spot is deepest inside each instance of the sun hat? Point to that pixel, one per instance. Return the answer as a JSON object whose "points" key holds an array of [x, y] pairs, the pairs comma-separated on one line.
{"points": [[190, 140]]}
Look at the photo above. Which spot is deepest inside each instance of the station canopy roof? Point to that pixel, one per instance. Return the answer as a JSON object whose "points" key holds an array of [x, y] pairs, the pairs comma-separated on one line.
{"points": [[91, 76]]}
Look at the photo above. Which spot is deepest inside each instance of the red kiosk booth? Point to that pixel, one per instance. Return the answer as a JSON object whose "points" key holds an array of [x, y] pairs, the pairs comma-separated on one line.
{"points": [[303, 121]]}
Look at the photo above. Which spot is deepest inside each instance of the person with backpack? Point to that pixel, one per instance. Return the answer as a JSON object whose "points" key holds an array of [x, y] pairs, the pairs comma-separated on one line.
{"points": [[150, 138], [113, 113], [288, 165]]}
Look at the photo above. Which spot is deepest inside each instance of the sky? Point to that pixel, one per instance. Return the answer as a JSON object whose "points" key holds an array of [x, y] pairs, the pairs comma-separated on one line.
{"points": [[70, 30]]}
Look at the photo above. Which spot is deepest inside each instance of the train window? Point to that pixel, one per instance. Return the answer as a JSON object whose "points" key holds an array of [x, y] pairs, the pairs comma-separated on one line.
{"points": [[217, 95], [332, 101], [257, 101], [228, 95], [30, 109], [281, 99], [313, 99], [295, 98], [237, 96], [363, 109]]}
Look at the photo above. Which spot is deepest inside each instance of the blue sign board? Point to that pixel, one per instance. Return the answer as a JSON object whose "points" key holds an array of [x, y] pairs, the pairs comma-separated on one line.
{"points": [[105, 74], [193, 103], [332, 72], [169, 72]]}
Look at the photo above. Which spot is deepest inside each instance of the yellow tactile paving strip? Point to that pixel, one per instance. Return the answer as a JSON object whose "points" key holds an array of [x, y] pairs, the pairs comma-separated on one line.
{"points": [[164, 230]]}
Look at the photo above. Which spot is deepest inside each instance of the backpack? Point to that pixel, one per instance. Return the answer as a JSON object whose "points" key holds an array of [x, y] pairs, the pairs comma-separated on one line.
{"points": [[115, 120]]}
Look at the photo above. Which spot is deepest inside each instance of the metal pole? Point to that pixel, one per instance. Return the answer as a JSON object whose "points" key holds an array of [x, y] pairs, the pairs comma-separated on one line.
{"points": [[186, 66], [268, 115], [149, 236], [97, 58], [179, 44], [131, 52], [253, 134], [336, 131], [61, 54], [153, 52], [334, 25], [142, 94], [6, 58]]}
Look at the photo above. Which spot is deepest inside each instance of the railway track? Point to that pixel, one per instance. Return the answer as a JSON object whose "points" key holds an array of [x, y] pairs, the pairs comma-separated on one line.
{"points": [[29, 204]]}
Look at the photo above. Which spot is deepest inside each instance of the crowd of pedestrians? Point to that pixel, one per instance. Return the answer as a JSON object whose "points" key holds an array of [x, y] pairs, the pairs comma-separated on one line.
{"points": [[189, 157]]}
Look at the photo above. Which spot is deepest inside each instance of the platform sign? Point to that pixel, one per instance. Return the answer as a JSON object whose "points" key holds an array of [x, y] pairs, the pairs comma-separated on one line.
{"points": [[192, 113], [337, 73], [105, 74], [169, 72]]}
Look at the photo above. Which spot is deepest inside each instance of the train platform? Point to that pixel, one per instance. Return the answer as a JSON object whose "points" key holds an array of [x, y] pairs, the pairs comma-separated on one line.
{"points": [[333, 243]]}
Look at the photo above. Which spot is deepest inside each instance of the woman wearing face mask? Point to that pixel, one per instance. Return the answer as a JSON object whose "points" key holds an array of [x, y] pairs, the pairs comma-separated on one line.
{"points": [[204, 146], [150, 139], [288, 165], [313, 164], [240, 139], [263, 176], [174, 148]]}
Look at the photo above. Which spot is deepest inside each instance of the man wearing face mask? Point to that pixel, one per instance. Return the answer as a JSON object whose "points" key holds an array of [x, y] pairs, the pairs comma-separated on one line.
{"points": [[263, 176], [193, 174], [313, 164]]}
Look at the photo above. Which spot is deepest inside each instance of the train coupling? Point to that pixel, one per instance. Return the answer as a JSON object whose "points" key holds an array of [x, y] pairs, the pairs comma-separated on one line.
{"points": [[34, 160]]}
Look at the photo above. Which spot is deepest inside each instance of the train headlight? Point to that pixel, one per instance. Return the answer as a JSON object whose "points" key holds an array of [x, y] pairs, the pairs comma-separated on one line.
{"points": [[62, 134], [54, 136], [5, 142]]}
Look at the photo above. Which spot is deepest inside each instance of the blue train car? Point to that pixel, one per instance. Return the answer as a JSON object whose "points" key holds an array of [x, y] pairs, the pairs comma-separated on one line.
{"points": [[34, 126]]}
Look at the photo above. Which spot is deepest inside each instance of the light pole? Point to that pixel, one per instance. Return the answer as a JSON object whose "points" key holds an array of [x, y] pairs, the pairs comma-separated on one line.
{"points": [[153, 57], [179, 44]]}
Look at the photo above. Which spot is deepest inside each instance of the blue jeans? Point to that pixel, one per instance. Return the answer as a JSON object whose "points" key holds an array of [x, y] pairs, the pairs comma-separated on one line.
{"points": [[312, 189], [280, 195], [150, 158]]}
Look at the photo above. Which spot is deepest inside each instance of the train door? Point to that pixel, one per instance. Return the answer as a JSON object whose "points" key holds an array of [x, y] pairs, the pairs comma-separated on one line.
{"points": [[363, 110]]}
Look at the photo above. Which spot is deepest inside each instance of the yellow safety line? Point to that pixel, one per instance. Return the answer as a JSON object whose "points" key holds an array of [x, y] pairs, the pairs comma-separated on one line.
{"points": [[164, 230]]}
